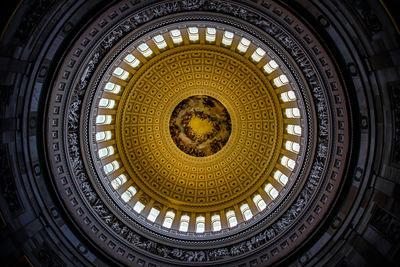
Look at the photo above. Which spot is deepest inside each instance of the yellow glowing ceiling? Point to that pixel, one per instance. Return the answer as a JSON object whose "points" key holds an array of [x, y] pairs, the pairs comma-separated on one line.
{"points": [[172, 177], [141, 155]]}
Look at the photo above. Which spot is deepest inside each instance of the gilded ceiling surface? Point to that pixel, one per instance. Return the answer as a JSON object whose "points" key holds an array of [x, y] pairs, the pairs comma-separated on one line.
{"points": [[156, 162], [199, 132], [171, 176]]}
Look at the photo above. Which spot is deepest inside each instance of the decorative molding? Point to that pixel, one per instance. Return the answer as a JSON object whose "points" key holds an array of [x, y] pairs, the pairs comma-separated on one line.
{"points": [[322, 170]]}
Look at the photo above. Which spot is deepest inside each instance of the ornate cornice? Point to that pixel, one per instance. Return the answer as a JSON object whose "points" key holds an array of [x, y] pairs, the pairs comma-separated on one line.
{"points": [[275, 235]]}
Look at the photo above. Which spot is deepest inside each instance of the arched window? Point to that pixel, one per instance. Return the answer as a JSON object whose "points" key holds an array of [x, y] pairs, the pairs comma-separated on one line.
{"points": [[231, 218], [243, 45], [245, 209], [211, 34], [258, 54], [270, 66], [227, 38], [112, 166], [281, 80], [103, 136], [112, 88], [293, 129], [176, 36], [145, 50], [168, 219], [288, 96], [193, 34], [271, 191], [106, 151], [128, 194], [138, 207], [103, 119], [292, 146], [288, 163], [159, 41], [260, 203], [200, 224], [280, 177], [153, 214], [106, 103], [216, 222], [120, 180], [132, 60], [120, 73], [184, 225], [292, 113]]}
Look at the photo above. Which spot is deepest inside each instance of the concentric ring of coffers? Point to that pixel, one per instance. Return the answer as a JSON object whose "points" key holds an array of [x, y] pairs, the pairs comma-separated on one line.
{"points": [[133, 142]]}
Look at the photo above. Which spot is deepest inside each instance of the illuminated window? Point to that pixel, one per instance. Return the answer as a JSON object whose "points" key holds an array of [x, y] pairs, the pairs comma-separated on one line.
{"points": [[292, 146], [106, 103], [184, 225], [120, 73], [145, 50], [270, 66], [193, 34], [103, 136], [110, 167], [103, 119], [200, 224], [245, 209], [100, 136], [132, 60], [231, 217], [271, 191], [169, 218], [288, 96], [176, 36], [293, 129], [281, 80], [292, 113], [112, 88], [216, 222], [227, 38], [138, 207], [243, 45], [288, 163], [260, 203], [280, 177], [211, 34], [120, 180], [258, 54], [153, 214], [159, 41], [128, 194], [106, 151]]}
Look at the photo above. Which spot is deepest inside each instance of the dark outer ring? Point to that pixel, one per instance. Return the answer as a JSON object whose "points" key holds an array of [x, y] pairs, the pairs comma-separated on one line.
{"points": [[273, 254]]}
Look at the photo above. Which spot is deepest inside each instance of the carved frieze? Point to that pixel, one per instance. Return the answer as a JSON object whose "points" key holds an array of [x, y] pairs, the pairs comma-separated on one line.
{"points": [[324, 133]]}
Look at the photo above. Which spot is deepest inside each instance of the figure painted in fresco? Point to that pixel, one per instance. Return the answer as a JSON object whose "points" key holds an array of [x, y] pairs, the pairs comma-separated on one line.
{"points": [[200, 126]]}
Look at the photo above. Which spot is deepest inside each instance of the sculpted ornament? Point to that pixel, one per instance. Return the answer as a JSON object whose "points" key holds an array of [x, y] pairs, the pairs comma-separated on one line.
{"points": [[219, 253]]}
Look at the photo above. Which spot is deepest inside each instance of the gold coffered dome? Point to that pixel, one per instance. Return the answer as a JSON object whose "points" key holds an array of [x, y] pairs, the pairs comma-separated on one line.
{"points": [[179, 179], [200, 123]]}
